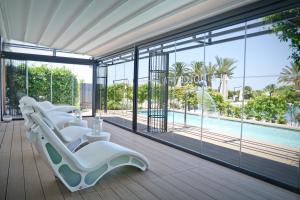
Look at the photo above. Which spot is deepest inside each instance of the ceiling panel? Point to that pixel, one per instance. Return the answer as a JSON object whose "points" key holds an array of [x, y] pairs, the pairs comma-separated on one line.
{"points": [[39, 16], [86, 20], [129, 8], [187, 16], [16, 13], [156, 12], [97, 27], [65, 14]]}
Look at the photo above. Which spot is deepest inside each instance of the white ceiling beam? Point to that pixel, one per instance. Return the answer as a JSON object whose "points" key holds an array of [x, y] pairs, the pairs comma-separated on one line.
{"points": [[126, 9], [65, 16], [15, 12], [169, 7], [122, 21], [25, 35], [3, 27], [50, 15], [87, 20], [188, 16]]}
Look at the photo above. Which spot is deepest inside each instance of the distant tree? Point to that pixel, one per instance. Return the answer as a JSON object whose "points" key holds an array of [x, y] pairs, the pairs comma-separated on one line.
{"points": [[197, 71], [218, 99], [210, 73], [290, 94], [270, 89], [179, 71], [117, 94], [142, 93], [224, 67], [268, 108], [248, 92], [290, 75], [287, 30]]}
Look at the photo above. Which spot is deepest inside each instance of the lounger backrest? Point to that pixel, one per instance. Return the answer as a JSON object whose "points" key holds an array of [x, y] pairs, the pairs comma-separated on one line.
{"points": [[52, 145], [26, 111], [46, 105], [26, 106], [61, 160], [49, 122]]}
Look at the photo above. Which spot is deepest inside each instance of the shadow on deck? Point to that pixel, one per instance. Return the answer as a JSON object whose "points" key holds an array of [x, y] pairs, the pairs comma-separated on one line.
{"points": [[279, 171]]}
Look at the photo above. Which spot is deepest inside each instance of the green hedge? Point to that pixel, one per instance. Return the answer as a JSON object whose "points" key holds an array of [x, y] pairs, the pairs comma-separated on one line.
{"points": [[39, 84]]}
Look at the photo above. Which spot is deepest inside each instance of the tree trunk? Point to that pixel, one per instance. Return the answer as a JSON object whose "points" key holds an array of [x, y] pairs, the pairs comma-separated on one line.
{"points": [[219, 88]]}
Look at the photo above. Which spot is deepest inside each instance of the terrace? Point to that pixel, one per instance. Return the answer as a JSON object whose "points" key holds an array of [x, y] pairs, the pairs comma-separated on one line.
{"points": [[173, 174], [208, 91]]}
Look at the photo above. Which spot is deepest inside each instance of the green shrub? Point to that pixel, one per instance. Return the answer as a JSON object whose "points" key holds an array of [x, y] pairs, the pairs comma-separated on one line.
{"points": [[39, 83]]}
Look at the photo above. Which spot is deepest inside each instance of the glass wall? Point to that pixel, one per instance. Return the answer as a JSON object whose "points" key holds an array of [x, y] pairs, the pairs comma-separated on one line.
{"points": [[57, 83], [16, 86], [271, 132], [143, 77], [233, 94], [119, 89]]}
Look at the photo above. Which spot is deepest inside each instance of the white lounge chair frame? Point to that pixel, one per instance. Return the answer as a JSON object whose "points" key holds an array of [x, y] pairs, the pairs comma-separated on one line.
{"points": [[49, 107], [85, 167], [72, 137], [57, 114]]}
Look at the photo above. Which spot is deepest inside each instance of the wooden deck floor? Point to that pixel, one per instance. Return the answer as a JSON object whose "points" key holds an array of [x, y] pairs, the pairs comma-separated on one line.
{"points": [[172, 175]]}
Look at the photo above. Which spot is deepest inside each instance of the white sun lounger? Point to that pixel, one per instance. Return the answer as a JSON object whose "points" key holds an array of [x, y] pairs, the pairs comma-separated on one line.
{"points": [[85, 167], [49, 107], [71, 136], [59, 118]]}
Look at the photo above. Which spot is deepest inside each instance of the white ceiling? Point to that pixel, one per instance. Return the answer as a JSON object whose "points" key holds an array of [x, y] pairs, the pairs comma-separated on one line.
{"points": [[97, 27]]}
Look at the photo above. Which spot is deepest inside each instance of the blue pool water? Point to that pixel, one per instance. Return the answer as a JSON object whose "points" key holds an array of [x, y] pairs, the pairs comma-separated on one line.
{"points": [[271, 135]]}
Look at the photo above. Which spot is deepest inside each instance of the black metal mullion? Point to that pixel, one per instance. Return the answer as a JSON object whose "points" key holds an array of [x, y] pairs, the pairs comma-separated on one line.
{"points": [[1, 86], [45, 58], [95, 66], [135, 88]]}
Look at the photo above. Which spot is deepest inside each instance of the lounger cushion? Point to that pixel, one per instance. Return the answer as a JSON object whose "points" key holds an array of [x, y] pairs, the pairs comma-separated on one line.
{"points": [[99, 152], [72, 133], [49, 107], [60, 118]]}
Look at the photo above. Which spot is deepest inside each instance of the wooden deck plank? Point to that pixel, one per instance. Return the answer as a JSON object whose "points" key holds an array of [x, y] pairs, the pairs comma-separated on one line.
{"points": [[4, 158], [90, 194], [104, 190], [181, 186], [2, 132], [160, 164], [168, 158], [137, 189], [16, 185], [48, 180], [113, 181], [244, 182], [173, 174], [67, 194], [33, 188]]}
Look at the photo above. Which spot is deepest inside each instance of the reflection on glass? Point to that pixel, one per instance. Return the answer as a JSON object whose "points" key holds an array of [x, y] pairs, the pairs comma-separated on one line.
{"points": [[119, 90]]}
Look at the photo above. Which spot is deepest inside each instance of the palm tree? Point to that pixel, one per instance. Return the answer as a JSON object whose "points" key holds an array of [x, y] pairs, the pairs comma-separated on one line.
{"points": [[290, 74], [210, 71], [225, 67], [270, 89], [197, 71], [179, 71]]}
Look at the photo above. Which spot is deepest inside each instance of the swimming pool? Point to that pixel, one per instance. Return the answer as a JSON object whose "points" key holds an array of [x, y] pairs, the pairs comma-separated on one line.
{"points": [[271, 135]]}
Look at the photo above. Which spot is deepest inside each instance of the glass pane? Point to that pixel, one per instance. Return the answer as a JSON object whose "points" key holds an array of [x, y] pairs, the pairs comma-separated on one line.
{"points": [[14, 86], [120, 90], [271, 139], [39, 81], [143, 94], [221, 128]]}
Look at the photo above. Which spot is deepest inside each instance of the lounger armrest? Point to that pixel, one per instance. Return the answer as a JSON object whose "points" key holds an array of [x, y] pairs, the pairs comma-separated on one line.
{"points": [[62, 108]]}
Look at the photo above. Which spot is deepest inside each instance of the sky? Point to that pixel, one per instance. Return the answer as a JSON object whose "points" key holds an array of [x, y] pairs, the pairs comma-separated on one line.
{"points": [[266, 56]]}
